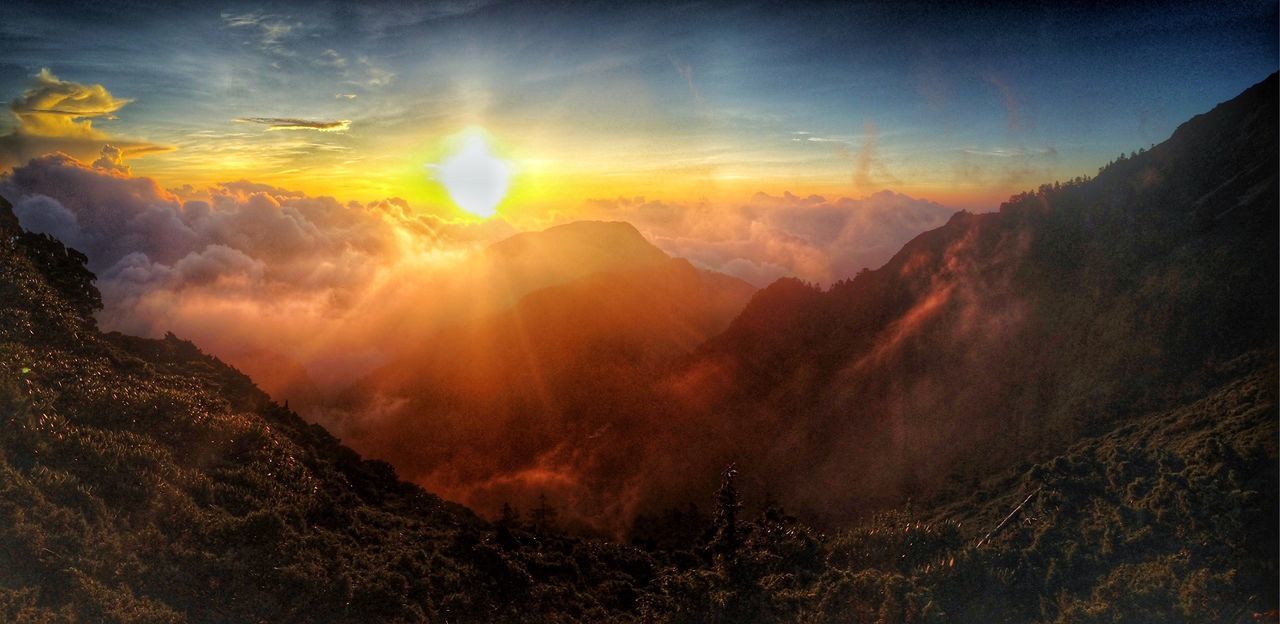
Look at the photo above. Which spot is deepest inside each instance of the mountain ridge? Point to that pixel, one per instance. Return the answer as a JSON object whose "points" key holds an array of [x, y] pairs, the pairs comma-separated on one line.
{"points": [[444, 412], [1051, 302], [142, 480]]}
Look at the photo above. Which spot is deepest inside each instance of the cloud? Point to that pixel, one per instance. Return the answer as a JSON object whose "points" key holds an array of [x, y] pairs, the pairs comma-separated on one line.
{"points": [[812, 238], [868, 169], [54, 107], [216, 262], [243, 268], [57, 115], [1006, 166], [305, 292], [270, 32], [372, 76], [288, 123], [331, 58], [686, 71], [1012, 108], [1016, 152], [40, 213], [112, 159], [287, 43]]}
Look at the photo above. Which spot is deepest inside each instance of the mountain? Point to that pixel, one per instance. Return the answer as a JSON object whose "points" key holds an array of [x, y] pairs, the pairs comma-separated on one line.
{"points": [[532, 260], [1001, 337], [144, 481], [496, 277], [527, 402], [993, 340], [485, 282], [1170, 518]]}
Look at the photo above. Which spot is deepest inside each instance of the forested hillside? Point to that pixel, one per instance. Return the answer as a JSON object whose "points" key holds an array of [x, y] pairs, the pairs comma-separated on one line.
{"points": [[1062, 412], [1005, 336]]}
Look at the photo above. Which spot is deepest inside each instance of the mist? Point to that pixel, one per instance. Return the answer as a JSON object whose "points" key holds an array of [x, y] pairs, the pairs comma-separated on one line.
{"points": [[492, 367]]}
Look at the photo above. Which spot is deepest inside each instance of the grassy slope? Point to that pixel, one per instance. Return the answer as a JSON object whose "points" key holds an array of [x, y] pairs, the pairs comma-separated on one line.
{"points": [[1172, 518], [143, 481]]}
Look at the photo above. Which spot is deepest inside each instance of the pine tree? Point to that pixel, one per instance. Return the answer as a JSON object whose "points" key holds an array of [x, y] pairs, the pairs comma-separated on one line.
{"points": [[543, 516], [726, 538], [509, 517], [507, 521]]}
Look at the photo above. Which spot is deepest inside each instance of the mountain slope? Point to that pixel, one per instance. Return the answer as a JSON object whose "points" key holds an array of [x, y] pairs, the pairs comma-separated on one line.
{"points": [[143, 481], [529, 401], [1171, 518], [993, 340], [483, 283], [1003, 336]]}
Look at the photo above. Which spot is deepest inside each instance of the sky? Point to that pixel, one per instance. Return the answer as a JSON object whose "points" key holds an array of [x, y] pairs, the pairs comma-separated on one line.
{"points": [[684, 103], [307, 190], [280, 182]]}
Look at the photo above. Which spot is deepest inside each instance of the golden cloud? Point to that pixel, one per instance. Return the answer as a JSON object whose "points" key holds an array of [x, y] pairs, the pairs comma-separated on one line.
{"points": [[55, 115], [289, 123], [60, 108]]}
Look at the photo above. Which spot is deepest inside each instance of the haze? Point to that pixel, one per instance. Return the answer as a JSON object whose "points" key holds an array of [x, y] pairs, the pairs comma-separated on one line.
{"points": [[350, 203]]}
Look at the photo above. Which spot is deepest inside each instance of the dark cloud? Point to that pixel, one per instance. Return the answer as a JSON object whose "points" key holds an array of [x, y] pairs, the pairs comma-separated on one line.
{"points": [[40, 213]]}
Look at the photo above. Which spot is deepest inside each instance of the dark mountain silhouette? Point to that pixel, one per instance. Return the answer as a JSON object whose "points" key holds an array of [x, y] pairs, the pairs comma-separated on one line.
{"points": [[1001, 337], [992, 340], [1081, 389], [144, 481]]}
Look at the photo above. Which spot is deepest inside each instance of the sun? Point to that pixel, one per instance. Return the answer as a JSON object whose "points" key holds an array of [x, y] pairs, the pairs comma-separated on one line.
{"points": [[475, 178]]}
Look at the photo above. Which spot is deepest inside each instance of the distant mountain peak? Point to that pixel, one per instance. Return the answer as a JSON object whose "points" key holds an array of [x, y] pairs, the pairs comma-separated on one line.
{"points": [[616, 238], [529, 261]]}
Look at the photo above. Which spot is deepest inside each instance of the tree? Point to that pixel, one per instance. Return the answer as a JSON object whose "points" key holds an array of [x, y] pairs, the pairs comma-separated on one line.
{"points": [[543, 516], [725, 537], [64, 269], [508, 520], [509, 517]]}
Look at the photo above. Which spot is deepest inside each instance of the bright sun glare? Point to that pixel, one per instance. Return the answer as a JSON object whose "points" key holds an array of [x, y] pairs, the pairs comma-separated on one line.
{"points": [[475, 179]]}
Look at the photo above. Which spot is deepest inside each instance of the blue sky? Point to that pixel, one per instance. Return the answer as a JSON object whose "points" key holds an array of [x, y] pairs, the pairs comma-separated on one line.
{"points": [[955, 104]]}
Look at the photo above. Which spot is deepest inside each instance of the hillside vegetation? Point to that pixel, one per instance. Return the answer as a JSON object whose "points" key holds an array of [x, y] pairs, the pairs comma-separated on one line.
{"points": [[1002, 337], [1110, 344], [143, 481]]}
